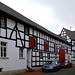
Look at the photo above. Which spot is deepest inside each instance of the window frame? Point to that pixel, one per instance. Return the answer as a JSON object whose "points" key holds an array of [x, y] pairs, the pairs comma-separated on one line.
{"points": [[3, 52], [48, 55], [5, 22], [21, 52], [41, 55], [26, 30], [35, 43]]}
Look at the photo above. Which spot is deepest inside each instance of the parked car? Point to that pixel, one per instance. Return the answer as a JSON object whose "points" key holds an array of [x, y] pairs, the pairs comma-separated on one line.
{"points": [[66, 63], [53, 65]]}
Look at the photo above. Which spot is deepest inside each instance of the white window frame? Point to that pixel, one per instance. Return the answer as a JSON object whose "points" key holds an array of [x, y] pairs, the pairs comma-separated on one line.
{"points": [[21, 52], [2, 21], [3, 52]]}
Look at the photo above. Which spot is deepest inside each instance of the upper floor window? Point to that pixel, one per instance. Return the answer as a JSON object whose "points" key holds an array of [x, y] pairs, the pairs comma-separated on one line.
{"points": [[3, 49], [47, 46], [35, 42], [26, 30], [2, 22], [21, 52]]}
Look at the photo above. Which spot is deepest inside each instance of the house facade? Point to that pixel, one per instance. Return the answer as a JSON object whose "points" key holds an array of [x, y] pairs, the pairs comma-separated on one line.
{"points": [[24, 43], [70, 37]]}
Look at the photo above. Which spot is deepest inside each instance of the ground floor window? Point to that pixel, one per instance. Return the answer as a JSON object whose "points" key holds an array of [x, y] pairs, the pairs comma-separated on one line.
{"points": [[3, 49], [21, 52], [48, 55], [41, 55]]}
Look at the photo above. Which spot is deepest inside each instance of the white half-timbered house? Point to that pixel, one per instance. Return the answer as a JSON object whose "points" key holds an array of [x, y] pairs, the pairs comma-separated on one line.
{"points": [[24, 43]]}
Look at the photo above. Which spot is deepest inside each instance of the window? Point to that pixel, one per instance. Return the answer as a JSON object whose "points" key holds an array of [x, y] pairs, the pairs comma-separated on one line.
{"points": [[74, 44], [21, 52], [26, 30], [47, 46], [35, 42], [2, 22], [3, 49], [48, 55], [41, 55]]}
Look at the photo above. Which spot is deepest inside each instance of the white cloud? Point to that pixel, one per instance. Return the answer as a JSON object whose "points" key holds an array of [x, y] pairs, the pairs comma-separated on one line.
{"points": [[51, 14]]}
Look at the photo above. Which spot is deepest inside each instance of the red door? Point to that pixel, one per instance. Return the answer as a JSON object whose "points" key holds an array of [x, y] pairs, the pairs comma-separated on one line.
{"points": [[61, 55]]}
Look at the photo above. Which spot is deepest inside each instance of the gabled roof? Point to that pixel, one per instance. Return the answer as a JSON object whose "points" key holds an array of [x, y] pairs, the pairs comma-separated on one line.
{"points": [[70, 33], [9, 12]]}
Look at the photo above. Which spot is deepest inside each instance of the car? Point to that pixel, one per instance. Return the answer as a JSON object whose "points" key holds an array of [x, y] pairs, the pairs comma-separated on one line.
{"points": [[52, 65], [66, 63]]}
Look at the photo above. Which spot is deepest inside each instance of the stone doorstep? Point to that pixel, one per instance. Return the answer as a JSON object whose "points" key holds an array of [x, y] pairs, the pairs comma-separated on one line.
{"points": [[16, 72]]}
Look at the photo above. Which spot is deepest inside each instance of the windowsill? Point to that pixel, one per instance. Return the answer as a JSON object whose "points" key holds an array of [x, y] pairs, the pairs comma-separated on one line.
{"points": [[21, 58], [4, 58]]}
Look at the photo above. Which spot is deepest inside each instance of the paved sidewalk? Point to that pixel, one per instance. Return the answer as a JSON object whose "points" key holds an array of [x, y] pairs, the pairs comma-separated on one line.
{"points": [[32, 73]]}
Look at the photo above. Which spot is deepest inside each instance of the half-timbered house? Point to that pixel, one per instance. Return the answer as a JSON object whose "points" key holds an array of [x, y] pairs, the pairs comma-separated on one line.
{"points": [[24, 43], [70, 37]]}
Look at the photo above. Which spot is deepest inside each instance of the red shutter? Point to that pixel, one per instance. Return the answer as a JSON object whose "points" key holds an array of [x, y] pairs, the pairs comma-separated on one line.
{"points": [[31, 42], [45, 45], [54, 47], [67, 50]]}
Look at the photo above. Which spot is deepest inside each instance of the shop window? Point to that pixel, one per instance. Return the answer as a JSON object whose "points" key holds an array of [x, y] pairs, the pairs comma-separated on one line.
{"points": [[2, 22], [3, 49], [21, 52], [41, 55], [26, 30]]}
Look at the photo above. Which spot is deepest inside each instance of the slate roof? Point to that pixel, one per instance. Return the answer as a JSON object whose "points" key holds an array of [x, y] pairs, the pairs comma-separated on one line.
{"points": [[70, 33], [9, 12]]}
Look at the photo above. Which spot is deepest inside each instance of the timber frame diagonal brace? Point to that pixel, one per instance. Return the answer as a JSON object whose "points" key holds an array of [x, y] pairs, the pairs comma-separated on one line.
{"points": [[16, 30]]}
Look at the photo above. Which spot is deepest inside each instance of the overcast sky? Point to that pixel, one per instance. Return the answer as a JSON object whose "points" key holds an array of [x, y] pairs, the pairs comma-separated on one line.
{"points": [[51, 14]]}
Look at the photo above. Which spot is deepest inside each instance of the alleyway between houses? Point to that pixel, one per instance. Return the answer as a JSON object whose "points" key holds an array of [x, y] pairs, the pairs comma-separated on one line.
{"points": [[32, 73]]}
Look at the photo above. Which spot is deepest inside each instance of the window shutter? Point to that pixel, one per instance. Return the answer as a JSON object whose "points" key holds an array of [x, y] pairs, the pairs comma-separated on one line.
{"points": [[45, 45], [54, 47], [67, 50], [31, 42]]}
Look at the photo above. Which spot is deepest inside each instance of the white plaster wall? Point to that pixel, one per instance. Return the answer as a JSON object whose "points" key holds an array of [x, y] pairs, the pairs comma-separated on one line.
{"points": [[13, 63], [10, 23]]}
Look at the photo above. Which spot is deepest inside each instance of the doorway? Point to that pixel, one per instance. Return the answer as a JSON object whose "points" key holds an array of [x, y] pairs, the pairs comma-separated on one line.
{"points": [[29, 58]]}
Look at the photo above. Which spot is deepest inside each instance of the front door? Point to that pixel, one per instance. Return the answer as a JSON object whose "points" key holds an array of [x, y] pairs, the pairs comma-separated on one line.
{"points": [[29, 58], [61, 55]]}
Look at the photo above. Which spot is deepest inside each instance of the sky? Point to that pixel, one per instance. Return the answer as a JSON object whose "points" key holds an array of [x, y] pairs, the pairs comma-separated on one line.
{"points": [[51, 14]]}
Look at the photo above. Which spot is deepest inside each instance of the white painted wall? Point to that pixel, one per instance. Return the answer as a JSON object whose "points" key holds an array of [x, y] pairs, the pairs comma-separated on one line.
{"points": [[13, 63]]}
